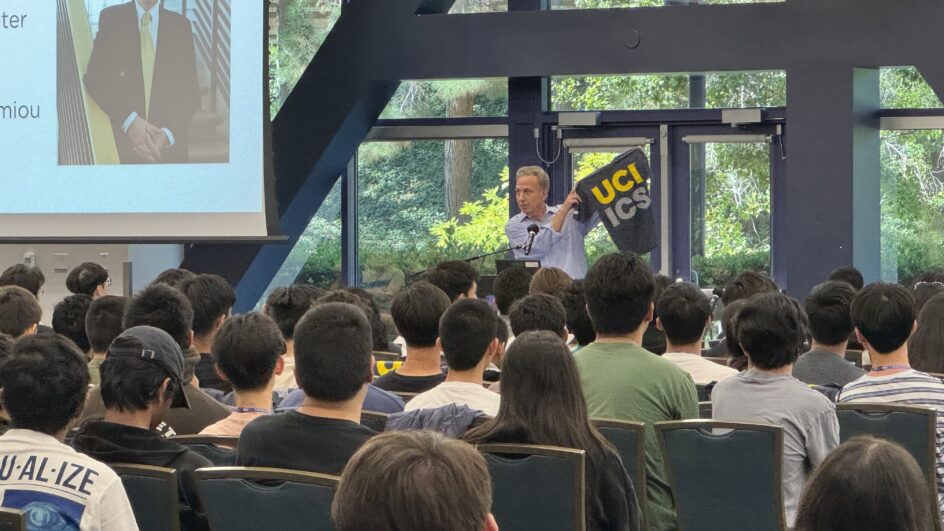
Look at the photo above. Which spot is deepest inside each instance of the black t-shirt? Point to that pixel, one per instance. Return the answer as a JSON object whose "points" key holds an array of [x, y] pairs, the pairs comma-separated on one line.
{"points": [[395, 382], [205, 372], [301, 442]]}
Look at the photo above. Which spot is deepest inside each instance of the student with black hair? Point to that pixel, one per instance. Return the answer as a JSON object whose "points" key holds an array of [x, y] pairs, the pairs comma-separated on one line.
{"points": [[167, 309], [28, 277], [212, 299], [332, 366], [511, 285], [467, 338], [102, 325], [286, 306], [416, 312], [578, 321], [684, 315], [456, 278], [173, 277], [20, 312], [828, 308], [771, 328], [44, 380], [884, 319], [620, 379], [377, 327], [924, 291], [88, 278], [6, 348], [68, 319], [849, 275], [142, 378], [539, 312], [742, 287], [248, 350], [926, 345]]}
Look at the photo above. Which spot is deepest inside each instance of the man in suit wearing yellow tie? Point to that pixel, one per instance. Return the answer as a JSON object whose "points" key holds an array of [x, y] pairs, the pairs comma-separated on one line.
{"points": [[143, 73]]}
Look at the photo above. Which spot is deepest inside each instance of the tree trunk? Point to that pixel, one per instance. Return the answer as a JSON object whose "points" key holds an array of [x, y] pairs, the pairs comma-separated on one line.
{"points": [[458, 155]]}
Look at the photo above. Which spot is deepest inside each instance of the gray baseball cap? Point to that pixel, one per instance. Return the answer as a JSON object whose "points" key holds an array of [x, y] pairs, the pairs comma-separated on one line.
{"points": [[154, 345]]}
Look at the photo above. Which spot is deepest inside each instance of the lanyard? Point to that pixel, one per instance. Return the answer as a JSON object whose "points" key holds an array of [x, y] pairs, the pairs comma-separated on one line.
{"points": [[252, 410], [881, 368]]}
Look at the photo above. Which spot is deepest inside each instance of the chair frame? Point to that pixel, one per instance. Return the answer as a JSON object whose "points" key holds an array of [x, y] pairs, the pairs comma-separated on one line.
{"points": [[169, 475], [216, 440], [639, 480], [931, 415], [14, 517], [382, 355], [855, 356], [705, 403], [406, 397], [375, 415], [575, 456], [264, 473], [707, 425]]}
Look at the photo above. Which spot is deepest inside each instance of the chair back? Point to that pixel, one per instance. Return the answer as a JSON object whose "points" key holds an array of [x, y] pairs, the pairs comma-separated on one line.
{"points": [[374, 420], [855, 356], [152, 491], [914, 428], [704, 392], [704, 410], [381, 355], [12, 520], [537, 487], [716, 469], [406, 397], [629, 439], [221, 451], [245, 498]]}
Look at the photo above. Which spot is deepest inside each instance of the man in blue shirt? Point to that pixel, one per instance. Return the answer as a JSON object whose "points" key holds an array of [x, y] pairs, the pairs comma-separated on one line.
{"points": [[560, 241]]}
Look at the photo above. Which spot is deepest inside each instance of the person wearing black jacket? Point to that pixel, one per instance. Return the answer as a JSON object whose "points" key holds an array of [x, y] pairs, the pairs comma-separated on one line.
{"points": [[142, 377]]}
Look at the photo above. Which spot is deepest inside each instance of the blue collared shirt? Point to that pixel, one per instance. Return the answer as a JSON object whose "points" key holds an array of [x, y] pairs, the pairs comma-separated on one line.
{"points": [[565, 249]]}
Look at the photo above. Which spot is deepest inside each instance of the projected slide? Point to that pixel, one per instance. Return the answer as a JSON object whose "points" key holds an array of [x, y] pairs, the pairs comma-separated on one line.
{"points": [[126, 118]]}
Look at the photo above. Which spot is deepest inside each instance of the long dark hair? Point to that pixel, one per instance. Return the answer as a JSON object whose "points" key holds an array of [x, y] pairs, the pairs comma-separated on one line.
{"points": [[866, 484], [926, 346], [542, 400]]}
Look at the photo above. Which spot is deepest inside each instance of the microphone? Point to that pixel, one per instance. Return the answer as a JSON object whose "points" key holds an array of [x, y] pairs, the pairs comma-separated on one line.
{"points": [[533, 230]]}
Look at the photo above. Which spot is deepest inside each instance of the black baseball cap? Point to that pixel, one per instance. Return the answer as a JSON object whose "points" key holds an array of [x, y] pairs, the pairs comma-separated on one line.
{"points": [[156, 346]]}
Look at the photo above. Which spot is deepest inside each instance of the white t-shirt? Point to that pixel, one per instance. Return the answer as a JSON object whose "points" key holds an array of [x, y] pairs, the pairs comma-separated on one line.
{"points": [[702, 371], [464, 394], [59, 488]]}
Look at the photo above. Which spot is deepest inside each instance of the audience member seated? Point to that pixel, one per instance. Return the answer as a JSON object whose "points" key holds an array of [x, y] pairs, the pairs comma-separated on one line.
{"points": [[416, 312], [6, 348], [578, 321], [884, 319], [926, 346], [19, 312], [866, 484], [924, 291], [142, 377], [653, 339], [539, 364], [771, 328], [414, 480], [102, 325], [377, 327], [467, 338], [539, 312], [166, 308], [511, 285], [30, 278], [332, 366], [551, 281], [456, 278], [827, 307], [742, 287], [493, 372], [248, 352], [173, 277], [286, 306], [684, 315], [68, 319], [736, 358], [212, 299], [89, 279], [621, 380], [849, 275], [44, 380]]}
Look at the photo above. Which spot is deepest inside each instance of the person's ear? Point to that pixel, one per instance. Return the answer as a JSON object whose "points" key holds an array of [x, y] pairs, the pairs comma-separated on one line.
{"points": [[279, 365], [370, 369], [861, 340], [219, 372], [162, 392], [650, 313], [565, 333], [438, 345], [265, 309], [219, 321], [490, 523], [190, 339], [659, 324], [914, 326], [31, 331]]}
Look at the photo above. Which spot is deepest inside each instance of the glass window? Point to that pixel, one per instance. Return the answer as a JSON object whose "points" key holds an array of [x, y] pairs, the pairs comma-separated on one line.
{"points": [[453, 98], [730, 210], [479, 6], [598, 4], [422, 202], [905, 88], [300, 27], [912, 203], [667, 91]]}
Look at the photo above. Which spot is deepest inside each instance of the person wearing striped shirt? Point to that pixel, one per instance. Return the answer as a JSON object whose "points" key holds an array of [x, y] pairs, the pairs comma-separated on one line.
{"points": [[884, 318]]}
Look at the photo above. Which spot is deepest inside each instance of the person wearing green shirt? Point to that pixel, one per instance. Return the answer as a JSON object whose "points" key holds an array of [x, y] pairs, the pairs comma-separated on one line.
{"points": [[621, 380]]}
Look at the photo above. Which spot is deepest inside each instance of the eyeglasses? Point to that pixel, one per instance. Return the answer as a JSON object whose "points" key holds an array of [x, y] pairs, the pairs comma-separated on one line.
{"points": [[935, 284]]}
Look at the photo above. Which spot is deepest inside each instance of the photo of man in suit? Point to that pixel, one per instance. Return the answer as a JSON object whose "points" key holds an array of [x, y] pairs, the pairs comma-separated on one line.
{"points": [[143, 74]]}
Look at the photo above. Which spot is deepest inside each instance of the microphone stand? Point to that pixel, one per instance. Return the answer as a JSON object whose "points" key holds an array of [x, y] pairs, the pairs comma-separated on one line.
{"points": [[474, 258]]}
